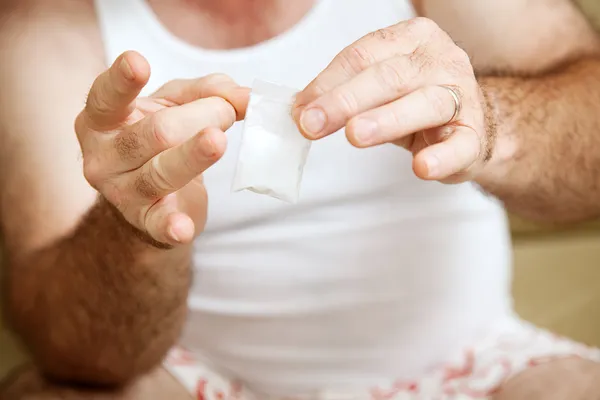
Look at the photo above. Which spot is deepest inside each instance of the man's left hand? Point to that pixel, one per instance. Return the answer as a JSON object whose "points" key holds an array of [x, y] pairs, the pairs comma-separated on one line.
{"points": [[410, 85]]}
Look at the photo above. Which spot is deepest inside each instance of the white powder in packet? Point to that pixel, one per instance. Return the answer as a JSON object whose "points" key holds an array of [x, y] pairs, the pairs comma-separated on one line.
{"points": [[273, 152]]}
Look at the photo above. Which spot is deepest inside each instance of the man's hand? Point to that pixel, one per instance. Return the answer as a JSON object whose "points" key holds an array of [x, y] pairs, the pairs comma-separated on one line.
{"points": [[408, 84], [146, 156]]}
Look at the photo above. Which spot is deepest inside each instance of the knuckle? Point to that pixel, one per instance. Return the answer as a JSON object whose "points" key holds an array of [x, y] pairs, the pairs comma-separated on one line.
{"points": [[103, 90], [459, 53], [92, 171], [114, 82], [224, 112], [96, 103], [422, 26], [346, 102], [198, 160], [461, 60], [157, 176], [190, 164], [355, 59], [116, 89], [389, 33], [390, 75], [395, 119], [421, 59], [145, 187], [315, 90], [99, 104], [160, 126], [127, 144]]}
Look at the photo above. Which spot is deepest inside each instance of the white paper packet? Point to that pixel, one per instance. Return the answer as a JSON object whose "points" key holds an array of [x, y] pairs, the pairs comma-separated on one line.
{"points": [[273, 152]]}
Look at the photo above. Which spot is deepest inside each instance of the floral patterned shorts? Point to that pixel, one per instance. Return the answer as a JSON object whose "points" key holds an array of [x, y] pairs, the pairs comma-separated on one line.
{"points": [[476, 372]]}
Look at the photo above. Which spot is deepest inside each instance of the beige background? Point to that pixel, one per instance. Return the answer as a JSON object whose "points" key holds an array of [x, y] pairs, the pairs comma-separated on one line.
{"points": [[557, 275]]}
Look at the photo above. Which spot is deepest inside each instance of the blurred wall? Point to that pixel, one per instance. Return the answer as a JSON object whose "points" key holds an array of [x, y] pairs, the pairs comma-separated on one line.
{"points": [[592, 9]]}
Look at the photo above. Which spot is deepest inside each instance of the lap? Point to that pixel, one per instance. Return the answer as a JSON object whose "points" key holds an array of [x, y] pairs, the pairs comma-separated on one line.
{"points": [[567, 379], [571, 378], [516, 361], [27, 384]]}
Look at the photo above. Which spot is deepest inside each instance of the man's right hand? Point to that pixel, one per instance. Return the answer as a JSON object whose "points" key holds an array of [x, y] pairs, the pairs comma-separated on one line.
{"points": [[146, 155], [66, 253]]}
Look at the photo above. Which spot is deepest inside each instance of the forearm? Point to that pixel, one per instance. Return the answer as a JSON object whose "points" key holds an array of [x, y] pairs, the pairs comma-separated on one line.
{"points": [[546, 159], [100, 306]]}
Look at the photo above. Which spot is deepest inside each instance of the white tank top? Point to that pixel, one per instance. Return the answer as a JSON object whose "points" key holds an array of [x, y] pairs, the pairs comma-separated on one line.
{"points": [[374, 275]]}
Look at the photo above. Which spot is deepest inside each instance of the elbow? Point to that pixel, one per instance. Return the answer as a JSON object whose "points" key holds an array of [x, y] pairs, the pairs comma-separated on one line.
{"points": [[102, 364], [75, 335], [71, 358], [67, 367], [68, 346]]}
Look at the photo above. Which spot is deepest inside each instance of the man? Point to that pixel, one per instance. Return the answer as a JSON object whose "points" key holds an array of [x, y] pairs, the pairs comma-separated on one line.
{"points": [[377, 284]]}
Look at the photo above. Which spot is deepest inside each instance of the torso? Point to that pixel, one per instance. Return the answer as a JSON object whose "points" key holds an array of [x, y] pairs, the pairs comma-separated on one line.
{"points": [[373, 275]]}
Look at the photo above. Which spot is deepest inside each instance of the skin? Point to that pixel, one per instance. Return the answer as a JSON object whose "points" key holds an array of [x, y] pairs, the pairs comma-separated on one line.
{"points": [[388, 87], [144, 157], [232, 24], [28, 384], [569, 378], [67, 249]]}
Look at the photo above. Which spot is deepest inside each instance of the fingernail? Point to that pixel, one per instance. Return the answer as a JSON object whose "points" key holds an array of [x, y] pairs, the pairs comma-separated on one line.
{"points": [[364, 131], [126, 69], [432, 163], [313, 121], [173, 234]]}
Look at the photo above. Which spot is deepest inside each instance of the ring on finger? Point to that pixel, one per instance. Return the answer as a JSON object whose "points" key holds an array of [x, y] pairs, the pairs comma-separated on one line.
{"points": [[457, 102]]}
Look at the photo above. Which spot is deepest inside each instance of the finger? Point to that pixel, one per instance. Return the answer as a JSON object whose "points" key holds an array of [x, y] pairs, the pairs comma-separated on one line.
{"points": [[376, 86], [438, 134], [454, 155], [399, 39], [168, 128], [166, 224], [425, 108], [112, 96], [181, 91], [172, 169]]}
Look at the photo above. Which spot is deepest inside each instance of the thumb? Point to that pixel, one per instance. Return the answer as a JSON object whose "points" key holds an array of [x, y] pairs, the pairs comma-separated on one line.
{"points": [[112, 96]]}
